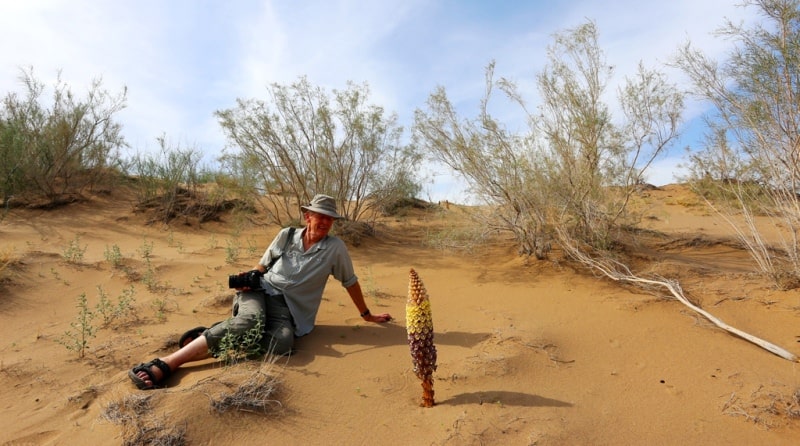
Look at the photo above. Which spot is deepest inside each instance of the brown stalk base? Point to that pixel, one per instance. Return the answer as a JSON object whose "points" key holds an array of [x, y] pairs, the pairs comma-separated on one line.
{"points": [[427, 392]]}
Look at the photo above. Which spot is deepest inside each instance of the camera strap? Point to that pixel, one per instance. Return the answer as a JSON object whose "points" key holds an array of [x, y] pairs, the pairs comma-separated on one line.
{"points": [[285, 245]]}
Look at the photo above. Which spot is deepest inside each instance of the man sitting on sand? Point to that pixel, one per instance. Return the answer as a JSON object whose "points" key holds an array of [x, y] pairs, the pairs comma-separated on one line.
{"points": [[288, 304]]}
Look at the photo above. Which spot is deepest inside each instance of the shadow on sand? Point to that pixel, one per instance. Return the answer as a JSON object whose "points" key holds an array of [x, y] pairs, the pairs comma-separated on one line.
{"points": [[325, 338], [504, 398]]}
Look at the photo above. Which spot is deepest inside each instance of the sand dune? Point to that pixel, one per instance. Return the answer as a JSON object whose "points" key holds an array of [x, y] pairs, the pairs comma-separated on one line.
{"points": [[530, 352]]}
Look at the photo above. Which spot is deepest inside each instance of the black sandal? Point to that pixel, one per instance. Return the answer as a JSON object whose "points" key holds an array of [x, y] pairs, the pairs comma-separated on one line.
{"points": [[156, 383], [193, 334], [190, 336]]}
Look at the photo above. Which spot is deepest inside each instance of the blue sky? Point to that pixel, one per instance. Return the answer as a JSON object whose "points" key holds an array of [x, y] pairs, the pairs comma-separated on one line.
{"points": [[181, 60]]}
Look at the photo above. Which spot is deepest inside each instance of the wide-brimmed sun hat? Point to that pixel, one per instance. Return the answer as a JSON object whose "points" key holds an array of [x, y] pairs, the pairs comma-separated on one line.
{"points": [[323, 204]]}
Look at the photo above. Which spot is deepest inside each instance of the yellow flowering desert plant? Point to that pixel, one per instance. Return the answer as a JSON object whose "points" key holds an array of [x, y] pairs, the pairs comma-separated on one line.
{"points": [[419, 325]]}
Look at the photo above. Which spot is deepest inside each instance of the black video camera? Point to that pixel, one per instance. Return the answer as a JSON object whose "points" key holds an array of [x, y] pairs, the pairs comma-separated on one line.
{"points": [[250, 279]]}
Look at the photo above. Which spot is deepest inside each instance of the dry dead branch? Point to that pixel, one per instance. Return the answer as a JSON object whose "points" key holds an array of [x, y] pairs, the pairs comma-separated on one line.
{"points": [[619, 272]]}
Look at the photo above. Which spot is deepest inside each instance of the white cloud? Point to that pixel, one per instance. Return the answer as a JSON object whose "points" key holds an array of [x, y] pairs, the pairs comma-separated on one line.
{"points": [[665, 171]]}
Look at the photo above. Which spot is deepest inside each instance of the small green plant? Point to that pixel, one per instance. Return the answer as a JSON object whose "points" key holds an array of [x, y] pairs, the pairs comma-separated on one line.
{"points": [[73, 253], [212, 242], [82, 328], [232, 251], [146, 249], [125, 302], [111, 311], [104, 306], [57, 276], [149, 276], [113, 255], [253, 248], [173, 243], [160, 307], [235, 348]]}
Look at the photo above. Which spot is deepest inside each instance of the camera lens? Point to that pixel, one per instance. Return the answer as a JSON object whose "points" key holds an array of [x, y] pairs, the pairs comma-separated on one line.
{"points": [[251, 279]]}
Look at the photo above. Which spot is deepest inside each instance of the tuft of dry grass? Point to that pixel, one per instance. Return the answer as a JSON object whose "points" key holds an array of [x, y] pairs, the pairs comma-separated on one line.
{"points": [[7, 260], [766, 408], [449, 238], [140, 426], [259, 392], [246, 388], [128, 409]]}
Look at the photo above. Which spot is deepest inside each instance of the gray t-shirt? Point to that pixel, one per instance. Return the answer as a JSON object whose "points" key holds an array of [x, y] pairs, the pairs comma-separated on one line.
{"points": [[302, 276]]}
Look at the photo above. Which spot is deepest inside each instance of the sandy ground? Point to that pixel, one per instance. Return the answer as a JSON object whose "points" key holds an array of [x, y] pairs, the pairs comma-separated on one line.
{"points": [[530, 352]]}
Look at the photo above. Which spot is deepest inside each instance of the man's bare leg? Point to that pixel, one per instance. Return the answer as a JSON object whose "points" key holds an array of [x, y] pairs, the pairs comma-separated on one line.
{"points": [[196, 350]]}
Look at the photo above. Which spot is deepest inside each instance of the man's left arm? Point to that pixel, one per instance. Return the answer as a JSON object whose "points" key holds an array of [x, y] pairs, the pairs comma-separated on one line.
{"points": [[357, 296]]}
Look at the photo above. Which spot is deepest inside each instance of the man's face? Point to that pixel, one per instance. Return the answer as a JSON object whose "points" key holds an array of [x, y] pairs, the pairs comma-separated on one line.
{"points": [[318, 225]]}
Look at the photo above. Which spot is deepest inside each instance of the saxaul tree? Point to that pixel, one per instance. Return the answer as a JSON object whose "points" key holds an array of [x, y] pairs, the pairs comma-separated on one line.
{"points": [[303, 140], [54, 149], [571, 177], [749, 164], [580, 160]]}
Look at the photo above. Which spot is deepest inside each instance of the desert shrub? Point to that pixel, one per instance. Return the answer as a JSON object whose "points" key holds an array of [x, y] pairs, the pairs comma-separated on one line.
{"points": [[395, 187], [53, 151], [401, 205], [749, 157], [239, 176], [168, 186], [162, 175], [577, 166], [354, 232], [304, 140]]}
